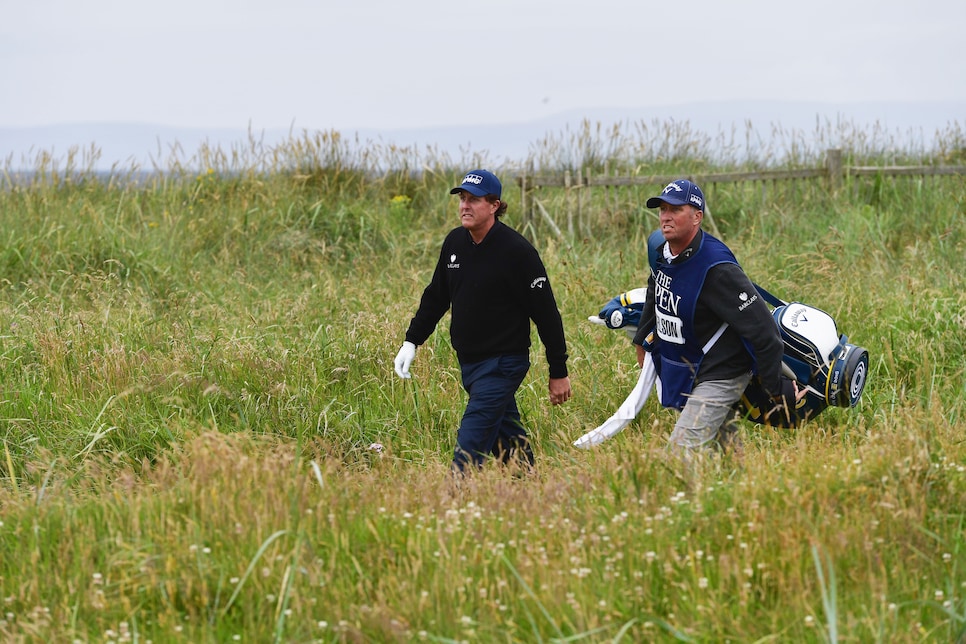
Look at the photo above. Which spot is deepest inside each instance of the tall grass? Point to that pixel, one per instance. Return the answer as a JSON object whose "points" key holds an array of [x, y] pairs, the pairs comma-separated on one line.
{"points": [[203, 439]]}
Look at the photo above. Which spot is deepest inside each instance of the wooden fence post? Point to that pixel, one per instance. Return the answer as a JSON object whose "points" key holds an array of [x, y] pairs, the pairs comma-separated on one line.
{"points": [[833, 166], [581, 224], [568, 181], [526, 195]]}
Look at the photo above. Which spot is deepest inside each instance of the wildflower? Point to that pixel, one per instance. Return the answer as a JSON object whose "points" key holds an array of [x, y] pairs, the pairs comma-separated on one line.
{"points": [[703, 582]]}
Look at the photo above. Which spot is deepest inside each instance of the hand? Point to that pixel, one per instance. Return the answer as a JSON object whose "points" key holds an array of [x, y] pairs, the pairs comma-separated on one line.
{"points": [[787, 400], [559, 390], [641, 352], [405, 358]]}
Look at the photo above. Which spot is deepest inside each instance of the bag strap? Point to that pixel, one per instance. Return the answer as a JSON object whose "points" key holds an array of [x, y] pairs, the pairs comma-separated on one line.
{"points": [[771, 299], [717, 335]]}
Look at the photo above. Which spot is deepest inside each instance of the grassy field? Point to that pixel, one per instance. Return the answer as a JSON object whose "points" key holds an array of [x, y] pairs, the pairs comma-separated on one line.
{"points": [[195, 367]]}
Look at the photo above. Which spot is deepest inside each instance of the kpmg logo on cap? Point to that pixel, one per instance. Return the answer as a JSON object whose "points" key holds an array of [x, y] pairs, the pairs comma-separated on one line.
{"points": [[696, 200], [479, 183]]}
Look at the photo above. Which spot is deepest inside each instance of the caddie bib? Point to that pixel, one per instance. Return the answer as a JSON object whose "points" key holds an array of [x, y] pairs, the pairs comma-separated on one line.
{"points": [[677, 287]]}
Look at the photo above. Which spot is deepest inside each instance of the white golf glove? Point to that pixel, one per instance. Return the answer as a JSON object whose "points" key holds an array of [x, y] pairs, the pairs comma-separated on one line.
{"points": [[405, 358]]}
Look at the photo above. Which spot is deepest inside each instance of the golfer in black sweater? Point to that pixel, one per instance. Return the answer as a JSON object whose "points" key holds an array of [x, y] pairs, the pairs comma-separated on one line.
{"points": [[494, 282]]}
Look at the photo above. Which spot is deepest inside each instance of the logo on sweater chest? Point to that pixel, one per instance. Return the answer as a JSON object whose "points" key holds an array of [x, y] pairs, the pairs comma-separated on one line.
{"points": [[452, 262]]}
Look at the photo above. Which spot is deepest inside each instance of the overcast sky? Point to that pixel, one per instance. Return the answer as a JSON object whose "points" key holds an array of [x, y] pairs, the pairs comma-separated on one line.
{"points": [[426, 63]]}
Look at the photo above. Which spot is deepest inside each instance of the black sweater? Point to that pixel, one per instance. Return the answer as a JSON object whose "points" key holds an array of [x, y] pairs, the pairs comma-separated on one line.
{"points": [[494, 289]]}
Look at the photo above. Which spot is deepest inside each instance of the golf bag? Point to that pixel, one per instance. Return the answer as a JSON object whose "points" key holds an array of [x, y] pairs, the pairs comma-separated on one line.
{"points": [[832, 371]]}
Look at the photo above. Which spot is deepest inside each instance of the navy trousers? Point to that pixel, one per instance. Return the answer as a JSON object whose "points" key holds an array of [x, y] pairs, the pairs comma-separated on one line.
{"points": [[491, 424]]}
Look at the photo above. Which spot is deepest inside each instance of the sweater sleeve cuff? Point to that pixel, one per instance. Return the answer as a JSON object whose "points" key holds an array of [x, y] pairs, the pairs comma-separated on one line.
{"points": [[558, 371]]}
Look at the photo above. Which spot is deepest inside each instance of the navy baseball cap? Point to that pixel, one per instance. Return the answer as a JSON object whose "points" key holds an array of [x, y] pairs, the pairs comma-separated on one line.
{"points": [[480, 183], [679, 193]]}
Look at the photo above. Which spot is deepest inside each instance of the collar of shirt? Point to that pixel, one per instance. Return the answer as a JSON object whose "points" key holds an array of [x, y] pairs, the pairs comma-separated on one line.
{"points": [[684, 254]]}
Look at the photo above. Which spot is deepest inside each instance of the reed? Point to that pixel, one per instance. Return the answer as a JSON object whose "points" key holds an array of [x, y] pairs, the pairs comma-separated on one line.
{"points": [[203, 438]]}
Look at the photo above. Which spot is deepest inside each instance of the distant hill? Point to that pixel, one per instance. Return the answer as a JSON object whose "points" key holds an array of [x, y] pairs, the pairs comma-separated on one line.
{"points": [[127, 144]]}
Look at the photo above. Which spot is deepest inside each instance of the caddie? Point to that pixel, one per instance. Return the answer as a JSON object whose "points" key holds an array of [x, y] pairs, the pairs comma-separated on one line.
{"points": [[713, 332]]}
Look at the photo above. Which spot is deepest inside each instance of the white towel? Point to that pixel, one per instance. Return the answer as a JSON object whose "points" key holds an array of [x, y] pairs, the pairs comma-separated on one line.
{"points": [[631, 406]]}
